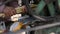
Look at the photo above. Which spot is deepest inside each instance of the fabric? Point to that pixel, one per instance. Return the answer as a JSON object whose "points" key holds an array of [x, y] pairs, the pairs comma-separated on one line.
{"points": [[1, 8], [9, 11], [16, 26], [12, 4]]}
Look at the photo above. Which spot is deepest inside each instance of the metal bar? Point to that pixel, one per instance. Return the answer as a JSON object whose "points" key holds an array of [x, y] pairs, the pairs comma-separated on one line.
{"points": [[59, 3], [40, 18], [36, 28], [51, 9], [40, 7], [41, 27]]}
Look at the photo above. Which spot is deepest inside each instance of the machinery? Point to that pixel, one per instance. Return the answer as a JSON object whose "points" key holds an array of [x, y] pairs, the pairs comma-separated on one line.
{"points": [[43, 15]]}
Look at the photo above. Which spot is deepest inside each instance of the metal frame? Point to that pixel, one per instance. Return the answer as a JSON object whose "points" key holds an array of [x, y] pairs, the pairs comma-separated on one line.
{"points": [[41, 6]]}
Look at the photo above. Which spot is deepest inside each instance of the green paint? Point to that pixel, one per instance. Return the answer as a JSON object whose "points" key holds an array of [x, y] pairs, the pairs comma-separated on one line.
{"points": [[51, 9], [58, 2], [40, 7]]}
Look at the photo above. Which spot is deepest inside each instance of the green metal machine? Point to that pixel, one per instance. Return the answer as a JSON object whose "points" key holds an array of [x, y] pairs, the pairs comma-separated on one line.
{"points": [[42, 5], [52, 11]]}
